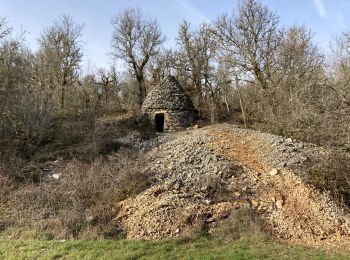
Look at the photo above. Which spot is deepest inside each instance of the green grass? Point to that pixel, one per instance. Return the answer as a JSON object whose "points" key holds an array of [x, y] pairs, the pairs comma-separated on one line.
{"points": [[199, 248]]}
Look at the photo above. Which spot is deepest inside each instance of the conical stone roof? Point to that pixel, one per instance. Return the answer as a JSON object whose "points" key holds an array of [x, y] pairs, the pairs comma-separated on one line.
{"points": [[169, 95]]}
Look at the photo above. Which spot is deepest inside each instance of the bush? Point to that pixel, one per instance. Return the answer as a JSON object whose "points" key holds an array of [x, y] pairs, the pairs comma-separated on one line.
{"points": [[29, 122], [79, 201], [333, 174]]}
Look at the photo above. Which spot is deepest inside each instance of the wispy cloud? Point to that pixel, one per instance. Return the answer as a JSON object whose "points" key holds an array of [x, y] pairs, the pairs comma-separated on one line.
{"points": [[320, 7], [192, 11]]}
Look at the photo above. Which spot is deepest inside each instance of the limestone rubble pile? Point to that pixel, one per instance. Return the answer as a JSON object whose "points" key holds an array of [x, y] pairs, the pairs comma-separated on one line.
{"points": [[204, 175]]}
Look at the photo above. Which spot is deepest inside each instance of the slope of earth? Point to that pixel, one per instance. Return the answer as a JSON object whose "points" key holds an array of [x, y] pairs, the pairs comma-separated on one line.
{"points": [[205, 175]]}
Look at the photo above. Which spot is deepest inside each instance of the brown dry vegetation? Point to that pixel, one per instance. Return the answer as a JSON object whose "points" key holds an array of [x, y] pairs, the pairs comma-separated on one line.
{"points": [[80, 204], [92, 178]]}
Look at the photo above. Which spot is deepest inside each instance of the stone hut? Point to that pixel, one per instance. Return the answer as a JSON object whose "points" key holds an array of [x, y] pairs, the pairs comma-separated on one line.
{"points": [[168, 107]]}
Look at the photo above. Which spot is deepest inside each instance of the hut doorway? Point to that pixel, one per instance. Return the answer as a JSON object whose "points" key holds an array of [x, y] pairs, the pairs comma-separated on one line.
{"points": [[159, 122]]}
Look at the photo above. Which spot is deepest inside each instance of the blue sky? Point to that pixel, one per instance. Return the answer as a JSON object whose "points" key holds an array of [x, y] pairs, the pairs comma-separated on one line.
{"points": [[326, 18]]}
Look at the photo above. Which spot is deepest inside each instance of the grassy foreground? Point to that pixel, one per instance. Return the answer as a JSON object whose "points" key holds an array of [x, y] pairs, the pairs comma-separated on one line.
{"points": [[200, 248]]}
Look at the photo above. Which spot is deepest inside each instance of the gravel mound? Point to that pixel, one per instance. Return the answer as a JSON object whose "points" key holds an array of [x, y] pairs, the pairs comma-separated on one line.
{"points": [[204, 175]]}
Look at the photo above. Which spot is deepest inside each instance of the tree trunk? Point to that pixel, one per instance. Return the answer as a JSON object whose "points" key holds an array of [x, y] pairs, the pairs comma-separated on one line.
{"points": [[63, 95], [106, 93], [226, 99], [240, 102], [198, 97], [141, 89]]}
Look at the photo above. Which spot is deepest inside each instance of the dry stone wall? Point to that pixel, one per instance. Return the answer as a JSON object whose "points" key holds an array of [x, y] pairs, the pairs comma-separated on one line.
{"points": [[170, 99]]}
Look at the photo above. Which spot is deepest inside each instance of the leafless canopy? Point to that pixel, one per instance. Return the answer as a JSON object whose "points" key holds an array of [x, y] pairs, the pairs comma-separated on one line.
{"points": [[195, 58], [250, 37], [60, 53], [4, 29], [136, 38]]}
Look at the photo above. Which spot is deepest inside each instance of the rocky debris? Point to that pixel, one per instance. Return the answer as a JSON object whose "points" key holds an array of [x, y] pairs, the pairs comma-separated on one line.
{"points": [[291, 208], [188, 162], [56, 176], [134, 140], [203, 175], [189, 174], [274, 172], [164, 211], [192, 127]]}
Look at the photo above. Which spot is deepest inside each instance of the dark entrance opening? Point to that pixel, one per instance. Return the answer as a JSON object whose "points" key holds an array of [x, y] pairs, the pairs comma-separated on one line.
{"points": [[159, 122]]}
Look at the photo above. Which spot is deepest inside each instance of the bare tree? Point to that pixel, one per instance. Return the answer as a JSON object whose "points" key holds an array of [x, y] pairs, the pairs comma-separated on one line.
{"points": [[195, 60], [25, 118], [250, 37], [340, 65], [136, 38], [4, 29], [108, 80], [160, 65], [340, 82], [60, 55], [129, 94], [14, 75], [15, 66], [224, 83], [188, 63], [299, 63], [300, 80]]}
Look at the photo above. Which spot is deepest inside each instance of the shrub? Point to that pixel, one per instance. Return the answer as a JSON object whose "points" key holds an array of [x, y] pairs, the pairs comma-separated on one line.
{"points": [[80, 203], [333, 174], [28, 121]]}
